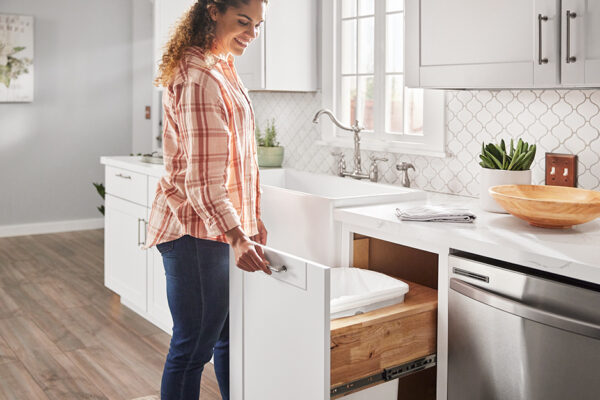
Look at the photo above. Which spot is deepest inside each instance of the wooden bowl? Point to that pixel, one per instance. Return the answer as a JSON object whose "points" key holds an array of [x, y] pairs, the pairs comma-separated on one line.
{"points": [[548, 206]]}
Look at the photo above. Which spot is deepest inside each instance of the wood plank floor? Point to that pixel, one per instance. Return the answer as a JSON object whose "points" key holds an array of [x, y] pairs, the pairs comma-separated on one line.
{"points": [[65, 336]]}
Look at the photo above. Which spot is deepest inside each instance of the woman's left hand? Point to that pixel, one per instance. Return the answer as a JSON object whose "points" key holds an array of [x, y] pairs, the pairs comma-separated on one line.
{"points": [[261, 236]]}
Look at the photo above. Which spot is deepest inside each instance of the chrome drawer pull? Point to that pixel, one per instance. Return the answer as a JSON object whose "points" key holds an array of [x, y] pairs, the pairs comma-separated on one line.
{"points": [[140, 242], [120, 175], [570, 59], [541, 59], [283, 268]]}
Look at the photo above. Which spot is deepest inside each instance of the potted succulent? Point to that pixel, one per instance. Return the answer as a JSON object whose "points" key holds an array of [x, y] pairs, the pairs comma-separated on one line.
{"points": [[502, 166], [270, 153]]}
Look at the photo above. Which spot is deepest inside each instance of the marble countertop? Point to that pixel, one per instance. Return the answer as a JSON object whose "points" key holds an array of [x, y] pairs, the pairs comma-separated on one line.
{"points": [[573, 252]]}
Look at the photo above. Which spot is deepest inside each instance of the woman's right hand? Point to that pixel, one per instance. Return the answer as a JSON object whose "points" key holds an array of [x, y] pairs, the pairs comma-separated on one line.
{"points": [[248, 256]]}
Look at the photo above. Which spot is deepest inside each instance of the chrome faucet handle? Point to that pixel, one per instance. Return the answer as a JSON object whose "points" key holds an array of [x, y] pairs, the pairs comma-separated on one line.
{"points": [[404, 167], [341, 162], [374, 170]]}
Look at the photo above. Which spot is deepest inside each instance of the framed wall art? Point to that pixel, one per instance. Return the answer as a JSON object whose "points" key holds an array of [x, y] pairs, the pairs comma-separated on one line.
{"points": [[16, 58]]}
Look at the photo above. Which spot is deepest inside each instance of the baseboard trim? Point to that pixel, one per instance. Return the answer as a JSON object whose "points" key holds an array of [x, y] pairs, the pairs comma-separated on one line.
{"points": [[51, 227]]}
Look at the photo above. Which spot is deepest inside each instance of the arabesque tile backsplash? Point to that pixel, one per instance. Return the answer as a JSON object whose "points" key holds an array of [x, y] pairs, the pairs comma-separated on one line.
{"points": [[558, 121]]}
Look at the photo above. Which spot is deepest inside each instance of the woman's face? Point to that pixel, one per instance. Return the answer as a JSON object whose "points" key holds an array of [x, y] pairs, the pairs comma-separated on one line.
{"points": [[238, 27]]}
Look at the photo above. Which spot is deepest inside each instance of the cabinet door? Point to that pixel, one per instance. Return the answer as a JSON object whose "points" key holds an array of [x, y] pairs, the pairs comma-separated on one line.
{"points": [[166, 15], [279, 331], [124, 261], [580, 43], [284, 56], [291, 45], [158, 306], [474, 43]]}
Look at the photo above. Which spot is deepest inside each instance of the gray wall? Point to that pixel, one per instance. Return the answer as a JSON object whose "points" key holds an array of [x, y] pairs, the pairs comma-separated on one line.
{"points": [[50, 149]]}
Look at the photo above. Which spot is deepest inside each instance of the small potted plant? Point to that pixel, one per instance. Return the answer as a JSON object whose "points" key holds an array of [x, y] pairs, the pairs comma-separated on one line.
{"points": [[270, 153], [503, 167]]}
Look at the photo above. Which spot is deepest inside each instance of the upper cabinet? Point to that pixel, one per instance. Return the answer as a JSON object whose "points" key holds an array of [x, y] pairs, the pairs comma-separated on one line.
{"points": [[284, 56], [502, 43], [166, 15]]}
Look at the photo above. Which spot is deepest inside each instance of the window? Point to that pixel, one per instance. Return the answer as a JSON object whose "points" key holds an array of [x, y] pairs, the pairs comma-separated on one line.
{"points": [[363, 79]]}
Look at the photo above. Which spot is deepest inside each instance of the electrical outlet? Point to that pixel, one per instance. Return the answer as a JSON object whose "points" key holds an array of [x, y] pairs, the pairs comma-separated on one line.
{"points": [[147, 112], [561, 169]]}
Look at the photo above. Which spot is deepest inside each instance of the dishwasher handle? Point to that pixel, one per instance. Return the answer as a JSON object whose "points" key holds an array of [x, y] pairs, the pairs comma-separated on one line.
{"points": [[525, 311]]}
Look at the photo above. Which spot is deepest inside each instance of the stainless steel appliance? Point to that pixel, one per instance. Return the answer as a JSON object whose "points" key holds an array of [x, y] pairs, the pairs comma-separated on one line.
{"points": [[517, 333]]}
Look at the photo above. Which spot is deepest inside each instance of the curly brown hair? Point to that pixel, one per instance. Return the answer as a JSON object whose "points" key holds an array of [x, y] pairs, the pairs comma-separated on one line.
{"points": [[195, 28]]}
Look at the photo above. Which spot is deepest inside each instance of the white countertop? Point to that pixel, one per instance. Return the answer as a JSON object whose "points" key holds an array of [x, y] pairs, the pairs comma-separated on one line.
{"points": [[133, 163], [573, 252]]}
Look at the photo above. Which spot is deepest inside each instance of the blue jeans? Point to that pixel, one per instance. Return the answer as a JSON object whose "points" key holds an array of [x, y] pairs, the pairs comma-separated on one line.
{"points": [[197, 273]]}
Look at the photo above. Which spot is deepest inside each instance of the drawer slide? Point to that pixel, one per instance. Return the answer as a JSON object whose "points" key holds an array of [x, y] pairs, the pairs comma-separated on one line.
{"points": [[387, 374]]}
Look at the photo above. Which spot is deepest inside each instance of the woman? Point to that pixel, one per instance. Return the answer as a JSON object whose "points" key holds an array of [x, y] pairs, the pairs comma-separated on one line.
{"points": [[209, 199]]}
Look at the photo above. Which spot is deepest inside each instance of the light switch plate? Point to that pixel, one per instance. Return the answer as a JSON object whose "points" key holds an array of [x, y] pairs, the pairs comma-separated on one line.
{"points": [[561, 169]]}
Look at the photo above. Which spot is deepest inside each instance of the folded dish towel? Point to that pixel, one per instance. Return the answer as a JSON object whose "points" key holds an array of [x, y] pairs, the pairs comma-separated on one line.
{"points": [[435, 214]]}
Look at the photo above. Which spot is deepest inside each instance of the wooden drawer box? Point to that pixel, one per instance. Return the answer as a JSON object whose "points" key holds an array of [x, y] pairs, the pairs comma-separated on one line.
{"points": [[366, 344], [127, 185]]}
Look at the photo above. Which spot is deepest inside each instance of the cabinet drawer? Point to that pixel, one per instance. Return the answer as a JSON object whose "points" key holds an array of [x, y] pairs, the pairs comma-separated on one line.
{"points": [[366, 344], [279, 324], [127, 185]]}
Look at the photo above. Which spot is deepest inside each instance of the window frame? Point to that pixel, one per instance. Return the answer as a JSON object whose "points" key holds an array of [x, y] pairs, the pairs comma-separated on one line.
{"points": [[431, 143]]}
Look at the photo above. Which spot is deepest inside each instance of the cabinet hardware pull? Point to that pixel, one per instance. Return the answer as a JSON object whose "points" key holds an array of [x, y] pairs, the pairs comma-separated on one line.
{"points": [[570, 59], [283, 268], [541, 59], [140, 243], [120, 175], [145, 232]]}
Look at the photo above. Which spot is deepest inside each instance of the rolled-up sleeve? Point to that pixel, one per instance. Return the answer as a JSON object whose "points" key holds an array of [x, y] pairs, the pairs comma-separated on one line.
{"points": [[203, 125]]}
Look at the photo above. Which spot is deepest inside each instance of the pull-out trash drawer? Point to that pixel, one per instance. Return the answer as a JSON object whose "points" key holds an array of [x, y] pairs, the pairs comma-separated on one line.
{"points": [[283, 344]]}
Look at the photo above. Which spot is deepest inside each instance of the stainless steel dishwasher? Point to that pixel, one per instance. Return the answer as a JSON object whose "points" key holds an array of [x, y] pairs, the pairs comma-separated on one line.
{"points": [[517, 333]]}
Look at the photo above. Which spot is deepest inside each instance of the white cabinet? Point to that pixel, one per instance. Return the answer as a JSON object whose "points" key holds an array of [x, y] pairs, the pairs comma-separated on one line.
{"points": [[134, 274], [266, 361], [284, 56], [166, 15], [500, 43], [124, 261]]}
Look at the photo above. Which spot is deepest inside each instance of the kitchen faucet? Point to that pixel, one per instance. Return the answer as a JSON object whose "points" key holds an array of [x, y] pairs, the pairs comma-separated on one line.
{"points": [[357, 173]]}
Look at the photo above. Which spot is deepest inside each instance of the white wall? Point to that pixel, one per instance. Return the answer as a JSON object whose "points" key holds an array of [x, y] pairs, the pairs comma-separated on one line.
{"points": [[50, 149]]}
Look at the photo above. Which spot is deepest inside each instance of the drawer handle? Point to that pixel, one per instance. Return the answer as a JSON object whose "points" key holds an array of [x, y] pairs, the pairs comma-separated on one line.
{"points": [[120, 175], [140, 242], [281, 269], [570, 59], [541, 59]]}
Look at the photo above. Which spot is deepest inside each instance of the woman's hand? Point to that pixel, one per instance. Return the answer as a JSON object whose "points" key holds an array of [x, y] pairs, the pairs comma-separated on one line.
{"points": [[261, 236], [247, 256]]}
